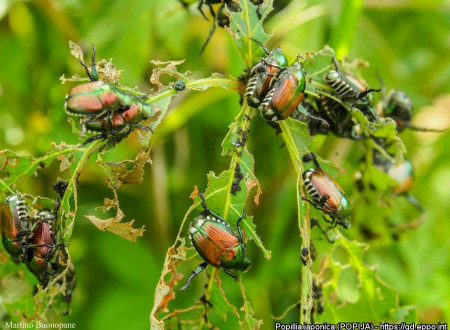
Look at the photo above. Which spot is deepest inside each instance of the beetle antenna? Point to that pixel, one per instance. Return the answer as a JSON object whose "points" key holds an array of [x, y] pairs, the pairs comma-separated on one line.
{"points": [[264, 48], [423, 129], [87, 70], [335, 63], [238, 226]]}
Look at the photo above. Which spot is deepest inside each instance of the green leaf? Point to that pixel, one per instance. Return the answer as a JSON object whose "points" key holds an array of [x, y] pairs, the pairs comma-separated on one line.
{"points": [[355, 293], [221, 305], [246, 24]]}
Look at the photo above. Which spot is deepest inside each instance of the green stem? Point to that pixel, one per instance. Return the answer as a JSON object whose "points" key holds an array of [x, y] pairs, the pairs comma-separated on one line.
{"points": [[243, 117], [208, 294], [7, 186], [72, 186], [306, 297]]}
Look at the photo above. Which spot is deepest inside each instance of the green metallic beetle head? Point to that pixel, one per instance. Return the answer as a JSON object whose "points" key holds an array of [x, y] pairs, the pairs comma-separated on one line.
{"points": [[299, 72], [279, 57], [344, 212]]}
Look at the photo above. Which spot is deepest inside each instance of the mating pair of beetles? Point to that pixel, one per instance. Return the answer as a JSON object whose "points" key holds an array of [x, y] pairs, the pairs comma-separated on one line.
{"points": [[275, 88], [34, 243], [219, 245], [104, 108]]}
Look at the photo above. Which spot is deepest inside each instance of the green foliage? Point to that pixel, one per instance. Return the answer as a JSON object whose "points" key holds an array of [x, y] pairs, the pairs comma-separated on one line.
{"points": [[392, 265]]}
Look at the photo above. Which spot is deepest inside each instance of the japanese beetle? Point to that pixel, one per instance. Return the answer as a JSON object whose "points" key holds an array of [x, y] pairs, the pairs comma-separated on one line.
{"points": [[262, 74], [351, 90], [17, 228], [399, 107], [326, 194], [403, 175], [99, 101], [218, 244], [285, 94], [43, 248]]}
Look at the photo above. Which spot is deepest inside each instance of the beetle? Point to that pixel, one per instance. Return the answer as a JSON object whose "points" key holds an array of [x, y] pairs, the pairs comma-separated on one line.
{"points": [[17, 228], [399, 107], [285, 94], [217, 243], [351, 90], [43, 248], [262, 73], [403, 175], [99, 100], [326, 194]]}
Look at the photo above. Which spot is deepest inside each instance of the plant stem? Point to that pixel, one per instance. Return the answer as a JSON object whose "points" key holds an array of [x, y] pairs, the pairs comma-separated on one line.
{"points": [[306, 297], [72, 183]]}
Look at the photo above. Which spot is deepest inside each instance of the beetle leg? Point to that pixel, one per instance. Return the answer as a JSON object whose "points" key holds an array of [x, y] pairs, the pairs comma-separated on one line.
{"points": [[323, 199], [207, 210], [264, 48], [313, 156], [199, 7], [230, 273], [333, 222], [323, 121], [238, 227], [110, 116], [257, 10], [211, 10], [423, 129], [414, 202], [211, 31], [197, 271], [314, 222], [142, 127], [93, 138], [311, 202], [367, 91]]}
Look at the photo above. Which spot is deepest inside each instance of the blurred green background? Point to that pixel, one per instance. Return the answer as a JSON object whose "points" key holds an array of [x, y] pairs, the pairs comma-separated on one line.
{"points": [[406, 42]]}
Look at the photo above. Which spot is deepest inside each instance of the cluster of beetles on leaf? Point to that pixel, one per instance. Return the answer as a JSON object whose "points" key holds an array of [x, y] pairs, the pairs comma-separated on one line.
{"points": [[273, 87], [276, 89], [31, 239]]}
